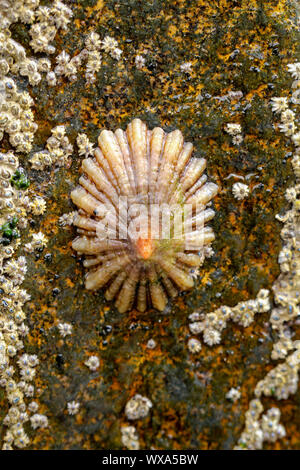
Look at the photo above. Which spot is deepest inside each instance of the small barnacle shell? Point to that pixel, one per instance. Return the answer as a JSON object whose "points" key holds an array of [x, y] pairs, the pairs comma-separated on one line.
{"points": [[142, 212]]}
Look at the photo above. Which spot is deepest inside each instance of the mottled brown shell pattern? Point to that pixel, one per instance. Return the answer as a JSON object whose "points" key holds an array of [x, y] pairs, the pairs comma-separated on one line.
{"points": [[150, 168]]}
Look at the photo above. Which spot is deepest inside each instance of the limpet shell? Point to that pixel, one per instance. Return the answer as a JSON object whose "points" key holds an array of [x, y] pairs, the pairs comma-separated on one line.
{"points": [[142, 213]]}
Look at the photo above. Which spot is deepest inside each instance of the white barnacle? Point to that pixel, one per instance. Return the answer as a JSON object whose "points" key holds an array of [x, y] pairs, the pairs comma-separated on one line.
{"points": [[93, 41], [92, 363], [211, 336], [67, 218], [296, 165], [291, 194], [196, 327], [151, 344], [288, 128], [109, 44], [194, 317], [296, 139], [237, 139], [23, 329], [29, 390], [39, 240], [59, 132], [85, 147], [233, 129], [38, 205], [33, 406], [186, 67], [62, 59], [51, 78], [294, 70], [28, 374], [279, 104], [194, 272], [44, 65], [65, 329], [287, 116], [240, 191], [139, 61], [73, 407], [233, 394], [33, 360], [194, 345], [116, 53]]}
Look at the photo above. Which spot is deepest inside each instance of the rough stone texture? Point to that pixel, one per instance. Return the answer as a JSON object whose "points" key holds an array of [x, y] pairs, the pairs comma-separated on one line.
{"points": [[187, 391]]}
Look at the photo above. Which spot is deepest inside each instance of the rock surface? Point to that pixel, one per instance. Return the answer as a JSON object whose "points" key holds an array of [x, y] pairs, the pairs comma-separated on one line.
{"points": [[235, 46]]}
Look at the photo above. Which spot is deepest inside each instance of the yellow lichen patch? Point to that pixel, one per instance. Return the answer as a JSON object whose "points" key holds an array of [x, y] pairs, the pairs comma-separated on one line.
{"points": [[258, 92]]}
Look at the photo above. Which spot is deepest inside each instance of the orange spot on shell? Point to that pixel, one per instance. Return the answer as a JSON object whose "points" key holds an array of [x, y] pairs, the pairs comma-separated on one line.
{"points": [[145, 247]]}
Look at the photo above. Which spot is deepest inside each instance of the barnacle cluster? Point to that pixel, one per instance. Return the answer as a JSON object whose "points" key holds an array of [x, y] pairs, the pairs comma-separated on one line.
{"points": [[16, 117], [12, 330], [137, 407], [135, 255], [130, 438], [57, 152], [235, 131], [38, 420], [18, 383], [90, 58], [282, 380], [14, 203], [8, 193], [18, 369], [38, 242], [110, 46], [211, 325], [287, 287], [239, 190], [44, 20], [260, 428]]}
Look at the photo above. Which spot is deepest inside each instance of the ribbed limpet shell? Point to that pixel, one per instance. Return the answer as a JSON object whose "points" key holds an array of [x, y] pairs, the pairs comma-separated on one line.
{"points": [[145, 171]]}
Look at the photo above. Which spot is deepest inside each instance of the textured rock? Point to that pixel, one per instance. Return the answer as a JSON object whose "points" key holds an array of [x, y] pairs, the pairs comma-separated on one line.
{"points": [[235, 46]]}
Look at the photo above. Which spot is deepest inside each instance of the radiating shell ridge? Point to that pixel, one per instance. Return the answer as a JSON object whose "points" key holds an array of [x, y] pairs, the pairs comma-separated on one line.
{"points": [[154, 169]]}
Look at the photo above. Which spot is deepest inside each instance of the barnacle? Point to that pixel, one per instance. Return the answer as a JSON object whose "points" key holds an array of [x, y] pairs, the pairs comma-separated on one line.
{"points": [[136, 179]]}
